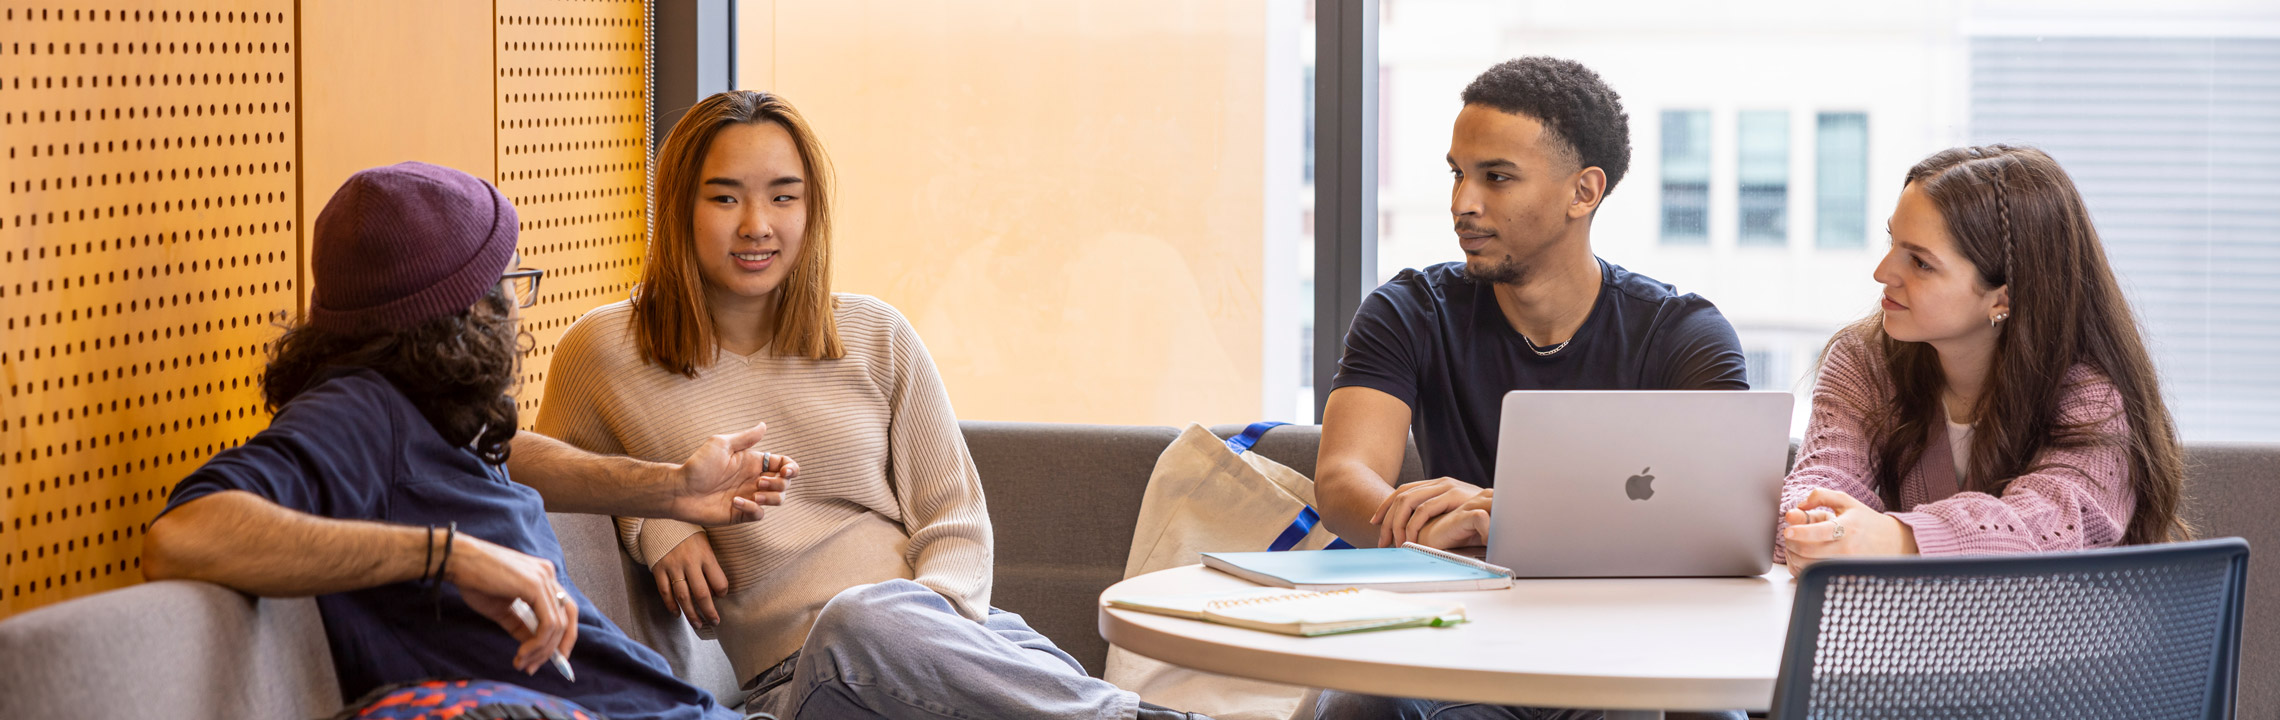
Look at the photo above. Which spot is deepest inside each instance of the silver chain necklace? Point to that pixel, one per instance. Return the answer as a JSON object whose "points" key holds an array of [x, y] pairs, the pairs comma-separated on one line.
{"points": [[1555, 349], [1542, 352]]}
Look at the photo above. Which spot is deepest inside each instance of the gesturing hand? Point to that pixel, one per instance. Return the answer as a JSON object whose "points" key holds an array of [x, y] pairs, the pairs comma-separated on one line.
{"points": [[688, 577], [491, 577], [1842, 527], [1403, 515], [727, 480]]}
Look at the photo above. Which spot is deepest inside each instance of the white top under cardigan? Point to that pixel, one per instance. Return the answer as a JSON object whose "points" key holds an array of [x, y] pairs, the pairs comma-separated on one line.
{"points": [[1959, 448]]}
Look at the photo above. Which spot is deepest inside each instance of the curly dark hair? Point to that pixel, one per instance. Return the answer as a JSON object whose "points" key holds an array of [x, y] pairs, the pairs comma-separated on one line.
{"points": [[458, 369], [1576, 107]]}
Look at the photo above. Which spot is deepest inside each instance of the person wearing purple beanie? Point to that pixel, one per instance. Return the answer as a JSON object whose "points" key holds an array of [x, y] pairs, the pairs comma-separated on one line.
{"points": [[382, 485]]}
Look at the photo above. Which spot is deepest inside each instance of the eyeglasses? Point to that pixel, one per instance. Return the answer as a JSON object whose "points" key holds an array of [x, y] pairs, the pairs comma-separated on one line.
{"points": [[524, 285]]}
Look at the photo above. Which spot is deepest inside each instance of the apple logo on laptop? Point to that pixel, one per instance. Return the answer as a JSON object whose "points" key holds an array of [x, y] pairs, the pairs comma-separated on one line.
{"points": [[1640, 486]]}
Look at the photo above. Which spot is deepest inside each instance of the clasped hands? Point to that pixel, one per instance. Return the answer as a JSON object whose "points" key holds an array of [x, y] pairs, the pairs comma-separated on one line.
{"points": [[1829, 524], [1441, 513]]}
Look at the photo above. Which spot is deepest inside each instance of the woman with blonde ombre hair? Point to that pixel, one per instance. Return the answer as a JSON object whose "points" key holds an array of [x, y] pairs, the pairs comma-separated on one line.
{"points": [[2002, 400], [866, 594]]}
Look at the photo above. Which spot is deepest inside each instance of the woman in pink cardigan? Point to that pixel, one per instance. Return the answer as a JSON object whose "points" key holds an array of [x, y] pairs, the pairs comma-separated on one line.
{"points": [[2002, 400]]}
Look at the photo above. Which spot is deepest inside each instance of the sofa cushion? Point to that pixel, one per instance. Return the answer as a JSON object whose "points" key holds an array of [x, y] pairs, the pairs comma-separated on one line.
{"points": [[173, 649], [2229, 493], [625, 593], [1063, 499]]}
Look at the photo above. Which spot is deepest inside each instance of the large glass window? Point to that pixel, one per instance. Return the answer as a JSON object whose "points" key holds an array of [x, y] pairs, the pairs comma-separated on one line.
{"points": [[1762, 174], [1840, 180], [1104, 214], [1686, 177], [1089, 209], [2162, 112]]}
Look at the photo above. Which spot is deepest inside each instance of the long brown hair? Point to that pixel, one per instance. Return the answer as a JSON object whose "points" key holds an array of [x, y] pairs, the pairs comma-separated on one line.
{"points": [[670, 325], [2015, 214], [458, 369]]}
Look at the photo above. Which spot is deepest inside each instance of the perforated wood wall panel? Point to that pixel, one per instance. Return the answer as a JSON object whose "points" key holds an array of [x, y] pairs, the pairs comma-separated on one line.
{"points": [[146, 249], [149, 231], [573, 156]]}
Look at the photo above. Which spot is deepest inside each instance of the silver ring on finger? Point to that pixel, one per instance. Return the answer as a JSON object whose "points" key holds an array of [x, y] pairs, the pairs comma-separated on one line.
{"points": [[561, 597]]}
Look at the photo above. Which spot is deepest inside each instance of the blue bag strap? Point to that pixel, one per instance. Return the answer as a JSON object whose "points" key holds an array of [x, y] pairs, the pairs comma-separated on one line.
{"points": [[1307, 517], [1243, 441], [1299, 527]]}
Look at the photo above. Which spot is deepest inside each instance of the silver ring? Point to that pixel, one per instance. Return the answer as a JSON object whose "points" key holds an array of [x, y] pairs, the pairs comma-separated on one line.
{"points": [[561, 597], [1840, 533]]}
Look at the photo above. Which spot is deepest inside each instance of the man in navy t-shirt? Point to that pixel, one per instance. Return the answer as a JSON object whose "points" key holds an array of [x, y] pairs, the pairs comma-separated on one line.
{"points": [[1538, 145], [381, 486]]}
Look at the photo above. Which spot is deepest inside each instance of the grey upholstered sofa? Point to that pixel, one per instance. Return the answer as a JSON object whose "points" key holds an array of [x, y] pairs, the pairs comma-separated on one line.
{"points": [[1063, 499]]}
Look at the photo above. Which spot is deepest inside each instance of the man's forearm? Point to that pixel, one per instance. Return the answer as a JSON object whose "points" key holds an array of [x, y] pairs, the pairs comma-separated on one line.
{"points": [[576, 481], [240, 540], [1347, 497]]}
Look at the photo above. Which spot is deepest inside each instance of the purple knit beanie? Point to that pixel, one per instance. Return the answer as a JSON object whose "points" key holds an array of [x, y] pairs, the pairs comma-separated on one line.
{"points": [[401, 244]]}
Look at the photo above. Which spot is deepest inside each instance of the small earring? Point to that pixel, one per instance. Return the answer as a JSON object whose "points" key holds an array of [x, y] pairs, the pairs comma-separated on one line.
{"points": [[1998, 319]]}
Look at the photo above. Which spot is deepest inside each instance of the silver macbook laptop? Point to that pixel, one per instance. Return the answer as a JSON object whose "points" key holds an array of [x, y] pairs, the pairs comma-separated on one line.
{"points": [[1638, 483]]}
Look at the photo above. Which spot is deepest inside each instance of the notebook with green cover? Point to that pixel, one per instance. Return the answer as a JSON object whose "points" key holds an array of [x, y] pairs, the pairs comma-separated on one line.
{"points": [[1391, 569]]}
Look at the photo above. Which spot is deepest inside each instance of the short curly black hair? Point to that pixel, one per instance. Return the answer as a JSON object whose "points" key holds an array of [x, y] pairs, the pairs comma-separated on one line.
{"points": [[1576, 107]]}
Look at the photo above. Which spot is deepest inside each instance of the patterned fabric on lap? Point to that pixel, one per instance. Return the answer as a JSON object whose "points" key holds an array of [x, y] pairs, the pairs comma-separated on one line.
{"points": [[463, 700]]}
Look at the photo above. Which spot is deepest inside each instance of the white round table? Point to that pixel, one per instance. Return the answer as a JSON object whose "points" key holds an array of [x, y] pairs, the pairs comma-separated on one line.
{"points": [[1634, 647]]}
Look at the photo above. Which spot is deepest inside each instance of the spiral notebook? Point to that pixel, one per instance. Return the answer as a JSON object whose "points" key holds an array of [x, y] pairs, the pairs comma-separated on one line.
{"points": [[1303, 613], [1411, 568]]}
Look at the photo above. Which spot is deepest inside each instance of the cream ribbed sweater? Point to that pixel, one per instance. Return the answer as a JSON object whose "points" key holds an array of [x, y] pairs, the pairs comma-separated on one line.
{"points": [[886, 487]]}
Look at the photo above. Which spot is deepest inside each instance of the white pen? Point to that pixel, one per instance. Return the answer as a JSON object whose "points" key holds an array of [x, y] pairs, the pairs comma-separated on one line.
{"points": [[1453, 557], [530, 622]]}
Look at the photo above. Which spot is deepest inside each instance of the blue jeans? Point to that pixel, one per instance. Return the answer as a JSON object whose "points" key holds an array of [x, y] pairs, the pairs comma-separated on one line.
{"points": [[899, 650], [1336, 705]]}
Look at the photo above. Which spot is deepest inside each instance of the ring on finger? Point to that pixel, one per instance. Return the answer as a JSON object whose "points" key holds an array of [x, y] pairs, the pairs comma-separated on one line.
{"points": [[561, 597]]}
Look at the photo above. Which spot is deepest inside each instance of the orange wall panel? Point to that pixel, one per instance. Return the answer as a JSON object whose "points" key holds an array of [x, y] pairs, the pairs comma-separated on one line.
{"points": [[573, 155], [146, 249], [386, 82]]}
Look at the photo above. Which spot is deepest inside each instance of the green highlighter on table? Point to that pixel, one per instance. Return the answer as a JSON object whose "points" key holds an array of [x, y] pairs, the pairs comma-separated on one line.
{"points": [[1324, 592]]}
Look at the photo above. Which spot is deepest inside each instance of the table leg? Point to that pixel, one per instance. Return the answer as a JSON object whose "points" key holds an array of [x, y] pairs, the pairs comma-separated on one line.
{"points": [[1634, 715]]}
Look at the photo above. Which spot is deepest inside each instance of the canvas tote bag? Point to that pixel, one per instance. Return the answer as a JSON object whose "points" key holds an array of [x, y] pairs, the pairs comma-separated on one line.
{"points": [[1208, 495]]}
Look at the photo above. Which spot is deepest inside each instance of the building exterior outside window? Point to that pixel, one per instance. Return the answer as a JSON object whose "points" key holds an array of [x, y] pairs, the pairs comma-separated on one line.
{"points": [[1762, 141], [1840, 180], [1686, 177]]}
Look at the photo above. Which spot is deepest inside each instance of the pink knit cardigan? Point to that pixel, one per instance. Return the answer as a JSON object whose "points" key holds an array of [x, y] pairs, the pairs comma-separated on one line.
{"points": [[2076, 498]]}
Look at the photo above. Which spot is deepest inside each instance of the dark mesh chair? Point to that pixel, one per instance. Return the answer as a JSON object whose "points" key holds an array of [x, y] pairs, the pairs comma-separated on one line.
{"points": [[2137, 632]]}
